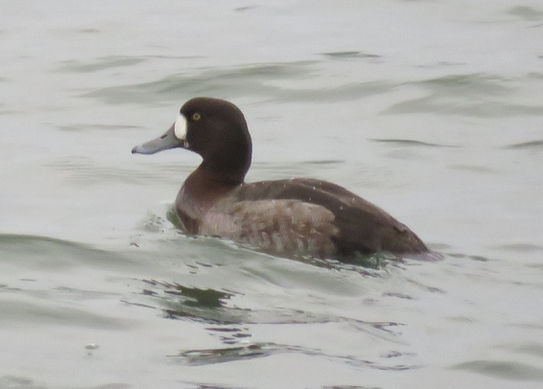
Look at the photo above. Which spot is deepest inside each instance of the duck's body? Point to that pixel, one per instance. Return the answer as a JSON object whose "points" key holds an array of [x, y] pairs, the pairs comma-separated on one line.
{"points": [[294, 217]]}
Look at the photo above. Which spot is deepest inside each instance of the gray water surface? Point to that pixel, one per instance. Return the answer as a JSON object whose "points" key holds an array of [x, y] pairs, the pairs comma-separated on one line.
{"points": [[431, 110]]}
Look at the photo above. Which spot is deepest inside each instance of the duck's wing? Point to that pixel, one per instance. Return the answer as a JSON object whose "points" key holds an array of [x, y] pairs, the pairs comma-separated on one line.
{"points": [[363, 227]]}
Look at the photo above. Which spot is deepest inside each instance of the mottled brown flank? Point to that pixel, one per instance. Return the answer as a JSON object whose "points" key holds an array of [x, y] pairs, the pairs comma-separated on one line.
{"points": [[285, 227]]}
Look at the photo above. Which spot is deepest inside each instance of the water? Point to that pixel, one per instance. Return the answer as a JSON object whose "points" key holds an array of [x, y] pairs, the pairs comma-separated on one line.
{"points": [[432, 110]]}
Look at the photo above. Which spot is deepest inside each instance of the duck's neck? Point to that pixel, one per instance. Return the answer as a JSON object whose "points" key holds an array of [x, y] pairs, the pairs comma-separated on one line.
{"points": [[201, 191], [221, 173]]}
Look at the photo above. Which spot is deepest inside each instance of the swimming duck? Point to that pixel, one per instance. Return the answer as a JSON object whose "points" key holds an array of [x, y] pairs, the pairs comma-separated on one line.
{"points": [[289, 217]]}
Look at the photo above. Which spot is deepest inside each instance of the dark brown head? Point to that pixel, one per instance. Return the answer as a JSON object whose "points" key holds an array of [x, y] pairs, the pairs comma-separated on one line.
{"points": [[216, 129]]}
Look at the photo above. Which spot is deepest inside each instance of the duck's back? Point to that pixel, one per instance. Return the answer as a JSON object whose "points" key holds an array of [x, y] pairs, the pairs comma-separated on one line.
{"points": [[341, 221]]}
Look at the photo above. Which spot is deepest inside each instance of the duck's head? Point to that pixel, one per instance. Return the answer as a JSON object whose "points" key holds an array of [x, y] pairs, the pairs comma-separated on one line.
{"points": [[216, 129]]}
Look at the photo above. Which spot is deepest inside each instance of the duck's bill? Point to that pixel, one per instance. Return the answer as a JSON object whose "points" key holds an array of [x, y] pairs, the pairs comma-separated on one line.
{"points": [[164, 142]]}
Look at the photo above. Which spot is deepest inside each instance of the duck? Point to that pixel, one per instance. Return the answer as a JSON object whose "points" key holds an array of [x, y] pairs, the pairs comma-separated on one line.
{"points": [[295, 217]]}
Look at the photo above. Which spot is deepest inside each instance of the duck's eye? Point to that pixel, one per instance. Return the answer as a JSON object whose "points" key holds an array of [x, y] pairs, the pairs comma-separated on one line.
{"points": [[195, 116]]}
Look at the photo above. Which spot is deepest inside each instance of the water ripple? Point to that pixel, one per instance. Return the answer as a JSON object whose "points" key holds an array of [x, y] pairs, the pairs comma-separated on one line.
{"points": [[474, 94], [530, 145], [101, 63], [276, 81], [409, 142], [503, 370]]}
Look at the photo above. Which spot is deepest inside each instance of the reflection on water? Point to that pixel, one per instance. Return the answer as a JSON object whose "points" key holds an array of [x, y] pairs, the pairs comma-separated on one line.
{"points": [[260, 350]]}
